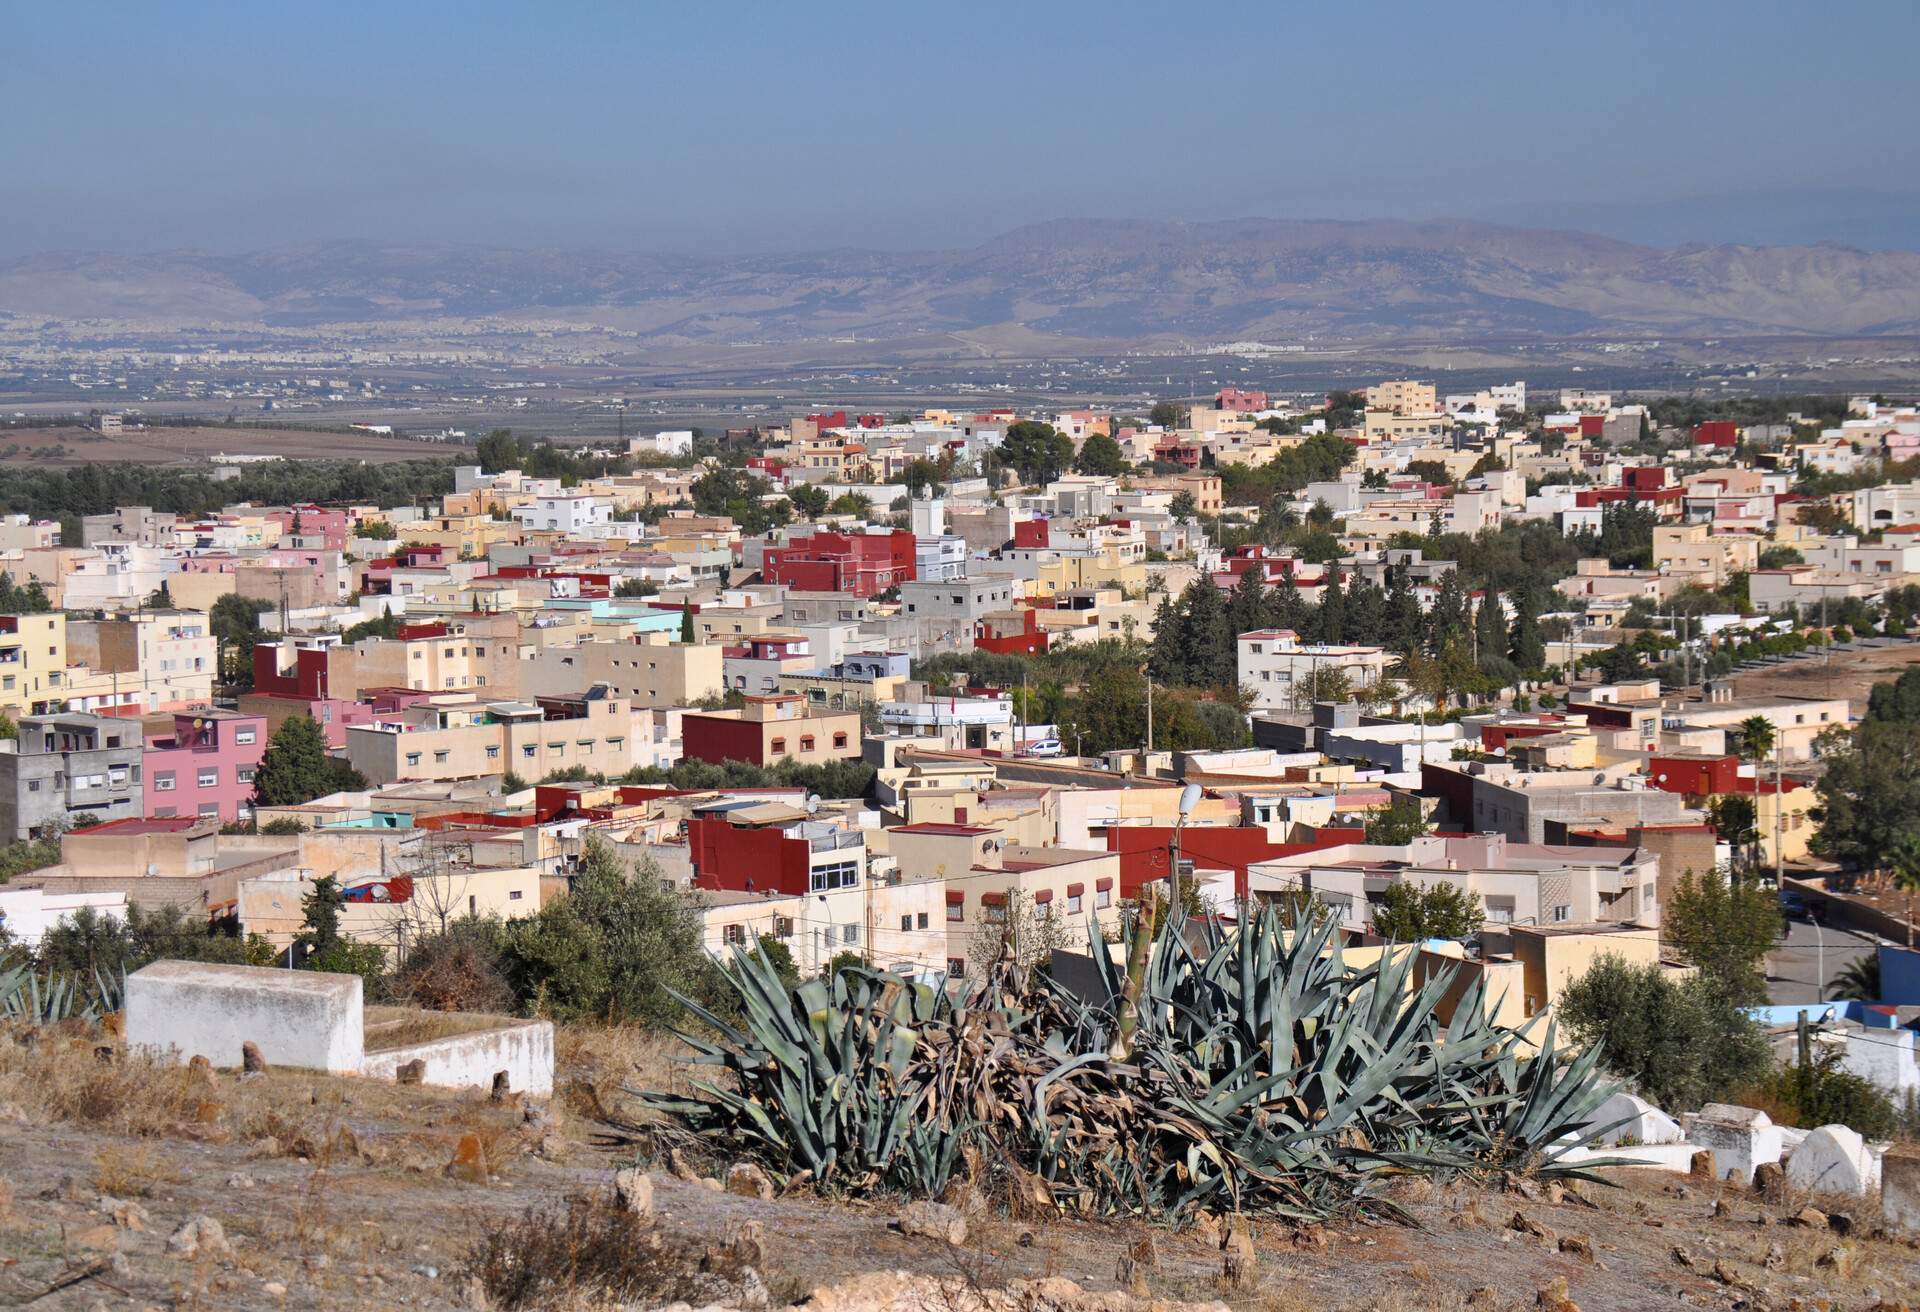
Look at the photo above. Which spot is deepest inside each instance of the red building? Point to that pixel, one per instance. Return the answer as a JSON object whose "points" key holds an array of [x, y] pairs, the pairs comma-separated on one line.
{"points": [[1717, 432], [859, 563], [1028, 640], [1033, 534], [1238, 399], [1146, 850]]}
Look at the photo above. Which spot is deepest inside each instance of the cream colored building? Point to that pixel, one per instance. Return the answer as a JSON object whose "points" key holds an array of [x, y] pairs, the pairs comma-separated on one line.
{"points": [[1404, 397], [647, 669], [33, 662], [465, 738], [1699, 555]]}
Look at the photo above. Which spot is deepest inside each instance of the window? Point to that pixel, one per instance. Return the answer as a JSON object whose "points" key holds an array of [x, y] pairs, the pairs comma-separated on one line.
{"points": [[923, 920], [996, 913], [779, 747], [493, 753], [529, 751], [734, 934], [783, 926], [556, 749], [957, 967], [850, 935], [242, 737], [440, 757], [906, 924], [826, 936], [841, 874], [244, 774], [1103, 898], [1073, 904], [514, 895], [1562, 913], [840, 740], [806, 742], [413, 758], [956, 911], [210, 777], [33, 785], [162, 782], [209, 808]]}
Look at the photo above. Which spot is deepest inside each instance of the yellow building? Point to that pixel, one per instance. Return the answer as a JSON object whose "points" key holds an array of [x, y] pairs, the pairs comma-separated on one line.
{"points": [[1404, 397], [33, 662]]}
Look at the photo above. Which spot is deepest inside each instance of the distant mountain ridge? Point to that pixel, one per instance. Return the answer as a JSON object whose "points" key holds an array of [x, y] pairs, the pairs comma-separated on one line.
{"points": [[1089, 280]]}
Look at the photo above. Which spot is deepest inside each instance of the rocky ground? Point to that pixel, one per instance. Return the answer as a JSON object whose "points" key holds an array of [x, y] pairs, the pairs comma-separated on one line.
{"points": [[122, 1186]]}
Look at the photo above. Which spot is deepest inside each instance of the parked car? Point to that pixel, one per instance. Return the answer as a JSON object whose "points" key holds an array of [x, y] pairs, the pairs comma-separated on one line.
{"points": [[1795, 907], [1042, 747]]}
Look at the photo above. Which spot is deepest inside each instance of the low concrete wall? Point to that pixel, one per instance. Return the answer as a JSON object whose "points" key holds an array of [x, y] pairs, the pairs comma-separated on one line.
{"points": [[523, 1049], [186, 1009]]}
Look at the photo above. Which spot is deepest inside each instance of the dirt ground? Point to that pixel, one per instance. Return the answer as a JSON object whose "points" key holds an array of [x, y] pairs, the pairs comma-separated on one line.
{"points": [[336, 1193], [192, 446], [1851, 674]]}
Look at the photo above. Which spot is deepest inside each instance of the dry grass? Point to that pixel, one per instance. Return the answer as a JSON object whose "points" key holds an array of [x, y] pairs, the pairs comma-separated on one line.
{"points": [[592, 1249], [130, 1170], [7, 1214], [597, 1063]]}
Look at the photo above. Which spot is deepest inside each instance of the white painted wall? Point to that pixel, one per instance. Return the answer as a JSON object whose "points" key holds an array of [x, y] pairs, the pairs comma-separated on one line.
{"points": [[523, 1049], [179, 1010]]}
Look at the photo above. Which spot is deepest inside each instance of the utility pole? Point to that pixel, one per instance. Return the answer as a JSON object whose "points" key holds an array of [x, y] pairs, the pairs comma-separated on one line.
{"points": [[1779, 804], [1149, 714]]}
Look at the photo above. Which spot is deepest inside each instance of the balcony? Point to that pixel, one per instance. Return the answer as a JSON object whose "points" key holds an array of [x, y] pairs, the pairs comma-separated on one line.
{"points": [[839, 840]]}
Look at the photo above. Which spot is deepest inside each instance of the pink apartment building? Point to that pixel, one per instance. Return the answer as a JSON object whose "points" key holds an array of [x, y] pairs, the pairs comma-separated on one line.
{"points": [[206, 767]]}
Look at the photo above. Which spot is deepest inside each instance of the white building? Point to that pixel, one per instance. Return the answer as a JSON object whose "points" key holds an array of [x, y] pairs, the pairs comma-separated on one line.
{"points": [[671, 442], [568, 513], [1273, 662]]}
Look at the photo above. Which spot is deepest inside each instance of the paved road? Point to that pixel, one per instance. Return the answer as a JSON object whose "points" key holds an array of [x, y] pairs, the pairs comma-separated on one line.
{"points": [[1793, 964]]}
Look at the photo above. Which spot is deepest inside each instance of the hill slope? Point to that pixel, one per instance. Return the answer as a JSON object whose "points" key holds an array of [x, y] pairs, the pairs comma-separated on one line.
{"points": [[1113, 281]]}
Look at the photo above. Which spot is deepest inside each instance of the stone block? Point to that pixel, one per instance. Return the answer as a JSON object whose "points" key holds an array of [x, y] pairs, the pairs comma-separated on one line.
{"points": [[1646, 1123], [189, 1009], [1831, 1160], [1740, 1139], [1900, 1190]]}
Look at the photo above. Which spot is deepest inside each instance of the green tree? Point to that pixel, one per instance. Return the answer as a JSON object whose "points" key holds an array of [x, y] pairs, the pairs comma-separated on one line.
{"points": [[1036, 451], [1183, 507], [1859, 979], [1733, 818], [1905, 863], [634, 587], [1680, 1044], [1407, 913], [686, 623], [808, 500], [1165, 414], [9, 731], [1752, 740], [612, 948], [1398, 824], [1101, 455], [295, 768], [1526, 645], [920, 477], [377, 530], [499, 451], [1725, 928], [235, 624]]}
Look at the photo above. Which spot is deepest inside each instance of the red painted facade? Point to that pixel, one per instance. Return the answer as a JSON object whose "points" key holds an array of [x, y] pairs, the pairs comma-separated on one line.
{"points": [[1235, 398], [1146, 850], [733, 858], [862, 564], [1717, 432]]}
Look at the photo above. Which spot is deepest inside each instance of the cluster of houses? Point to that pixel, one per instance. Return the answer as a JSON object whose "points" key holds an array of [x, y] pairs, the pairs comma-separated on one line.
{"points": [[501, 665]]}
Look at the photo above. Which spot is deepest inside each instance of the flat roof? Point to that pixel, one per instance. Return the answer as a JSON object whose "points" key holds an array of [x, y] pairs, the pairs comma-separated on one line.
{"points": [[141, 825], [934, 827]]}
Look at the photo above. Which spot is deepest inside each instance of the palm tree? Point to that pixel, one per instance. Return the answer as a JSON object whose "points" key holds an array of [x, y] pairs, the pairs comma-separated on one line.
{"points": [[1859, 978], [1904, 861], [1753, 738]]}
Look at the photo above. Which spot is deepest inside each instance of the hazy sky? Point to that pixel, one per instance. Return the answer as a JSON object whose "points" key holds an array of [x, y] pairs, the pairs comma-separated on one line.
{"points": [[747, 126]]}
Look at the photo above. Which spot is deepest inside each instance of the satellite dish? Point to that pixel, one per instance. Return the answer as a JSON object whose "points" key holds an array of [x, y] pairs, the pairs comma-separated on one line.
{"points": [[813, 803]]}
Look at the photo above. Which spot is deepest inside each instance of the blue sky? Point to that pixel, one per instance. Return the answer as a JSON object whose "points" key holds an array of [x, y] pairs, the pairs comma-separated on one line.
{"points": [[754, 127]]}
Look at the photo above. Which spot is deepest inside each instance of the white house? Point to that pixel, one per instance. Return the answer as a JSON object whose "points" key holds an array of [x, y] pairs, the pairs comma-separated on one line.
{"points": [[568, 513], [1273, 662]]}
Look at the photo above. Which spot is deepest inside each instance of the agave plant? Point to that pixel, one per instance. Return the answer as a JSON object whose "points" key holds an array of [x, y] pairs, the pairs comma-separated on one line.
{"points": [[28, 997], [1258, 1071]]}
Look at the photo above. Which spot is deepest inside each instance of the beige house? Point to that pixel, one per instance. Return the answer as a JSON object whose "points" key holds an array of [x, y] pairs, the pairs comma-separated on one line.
{"points": [[451, 656], [647, 669], [1699, 555], [464, 738]]}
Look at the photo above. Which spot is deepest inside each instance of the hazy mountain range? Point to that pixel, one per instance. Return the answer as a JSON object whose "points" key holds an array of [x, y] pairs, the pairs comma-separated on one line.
{"points": [[1081, 280]]}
